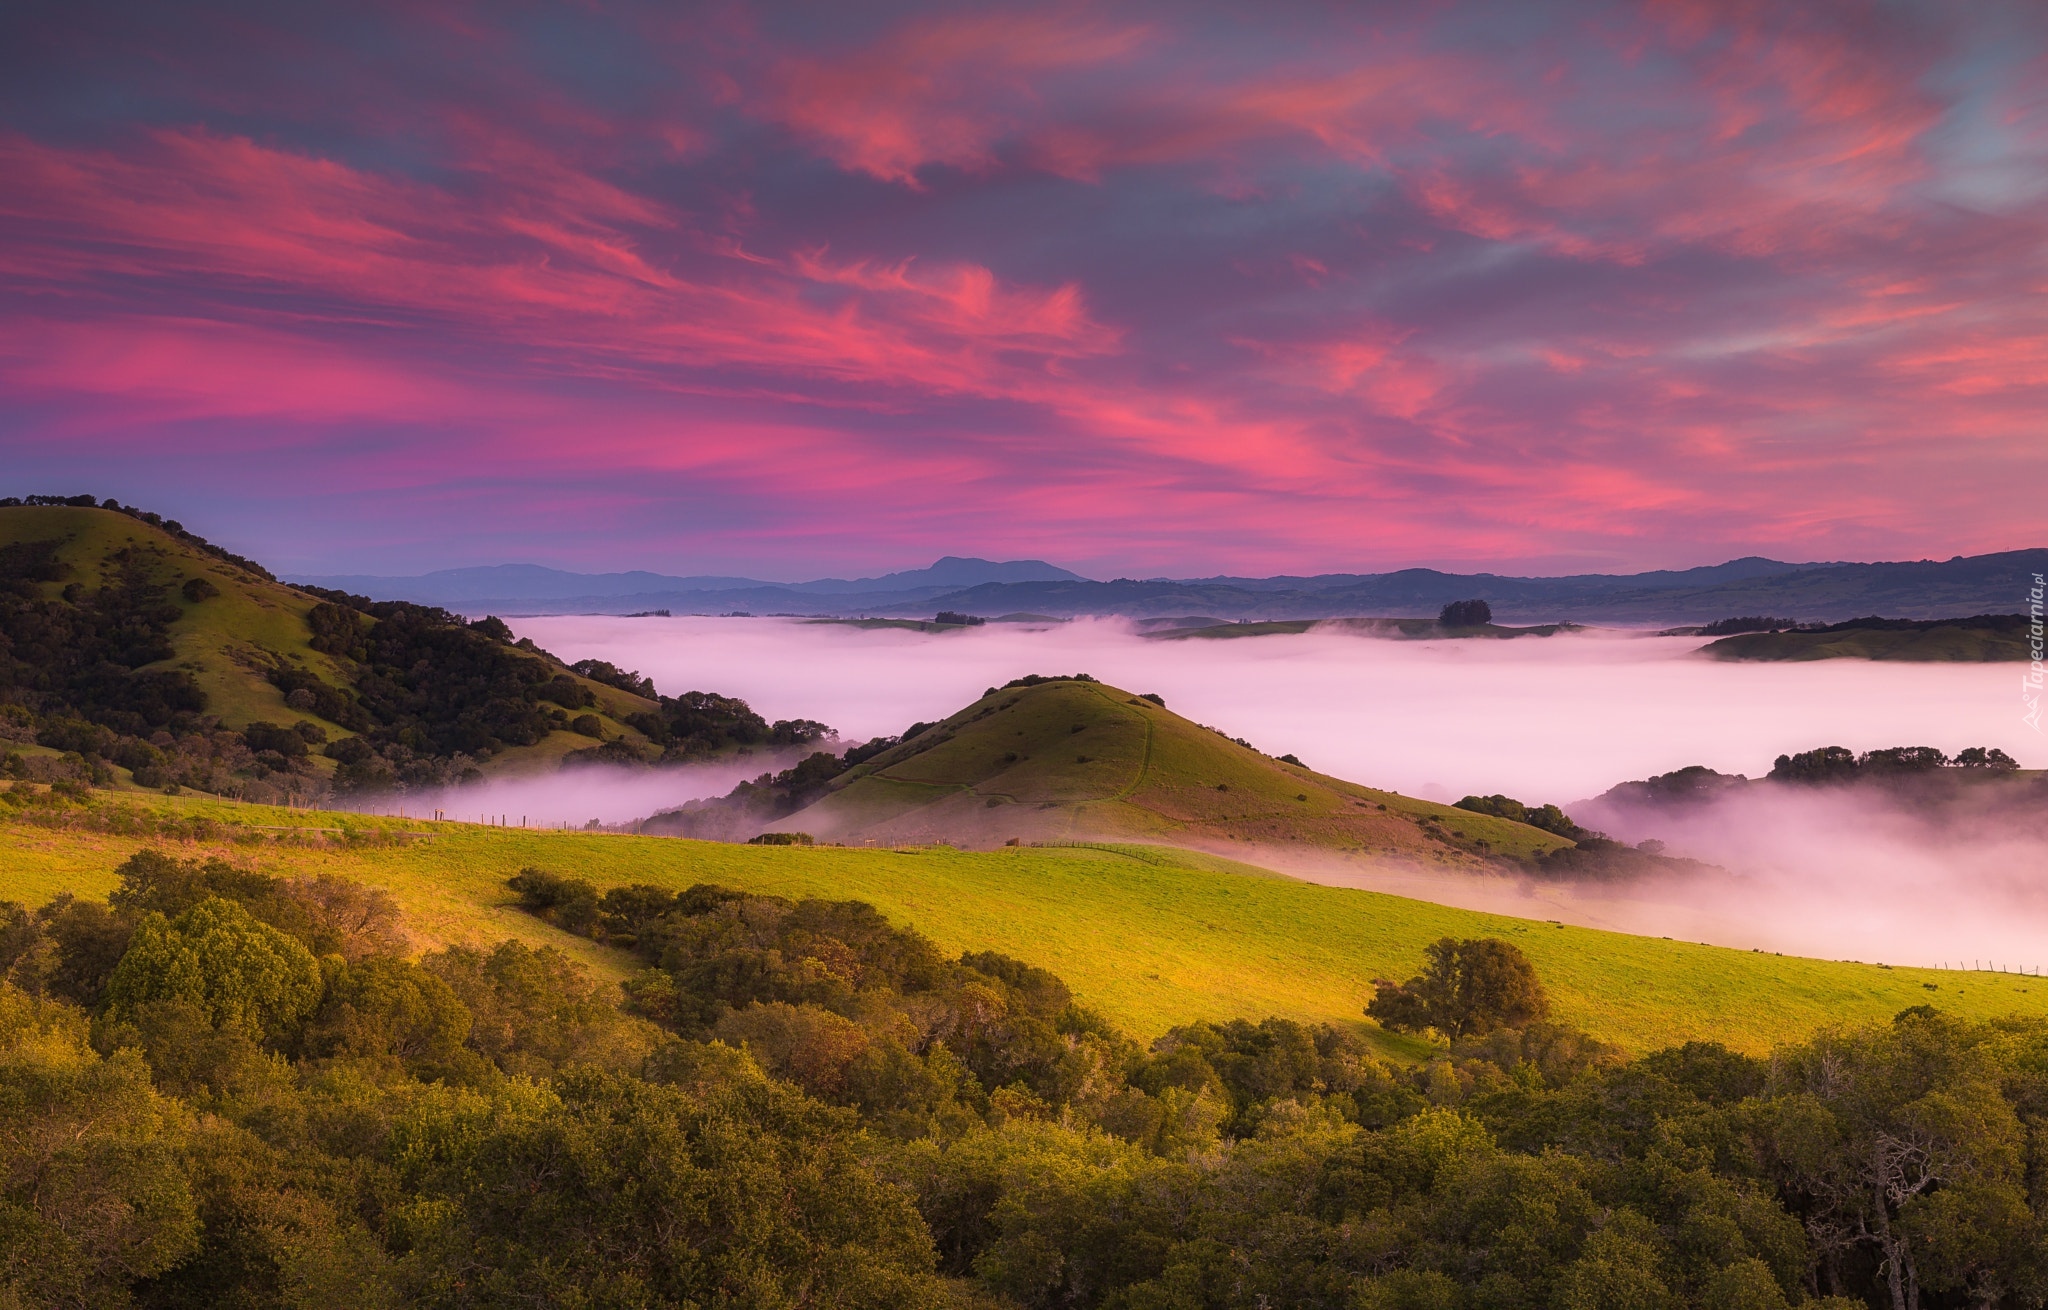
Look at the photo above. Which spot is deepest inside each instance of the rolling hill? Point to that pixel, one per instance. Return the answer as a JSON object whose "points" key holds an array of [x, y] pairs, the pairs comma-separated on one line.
{"points": [[133, 653], [1073, 759], [1983, 638]]}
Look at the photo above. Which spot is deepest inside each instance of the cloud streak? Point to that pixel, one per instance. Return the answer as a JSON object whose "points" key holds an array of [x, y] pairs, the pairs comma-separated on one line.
{"points": [[1144, 288]]}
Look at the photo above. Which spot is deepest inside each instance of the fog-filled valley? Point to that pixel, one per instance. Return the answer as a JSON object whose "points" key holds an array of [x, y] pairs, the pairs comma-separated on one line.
{"points": [[1548, 719], [1838, 873]]}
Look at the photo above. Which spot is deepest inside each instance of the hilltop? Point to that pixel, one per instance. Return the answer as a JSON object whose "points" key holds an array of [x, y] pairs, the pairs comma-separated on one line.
{"points": [[1064, 759], [135, 653], [1979, 639]]}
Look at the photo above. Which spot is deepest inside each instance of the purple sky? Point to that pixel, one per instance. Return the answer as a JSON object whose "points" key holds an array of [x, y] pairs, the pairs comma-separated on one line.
{"points": [[1178, 289]]}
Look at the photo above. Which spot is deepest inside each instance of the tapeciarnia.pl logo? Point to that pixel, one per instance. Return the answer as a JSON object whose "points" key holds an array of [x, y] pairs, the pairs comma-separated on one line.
{"points": [[2030, 684]]}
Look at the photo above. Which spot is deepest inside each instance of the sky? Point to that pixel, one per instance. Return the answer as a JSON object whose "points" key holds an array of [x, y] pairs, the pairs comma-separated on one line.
{"points": [[797, 290]]}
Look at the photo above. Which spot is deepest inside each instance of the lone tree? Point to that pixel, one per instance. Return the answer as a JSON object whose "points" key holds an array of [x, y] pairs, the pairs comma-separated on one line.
{"points": [[1468, 988], [1466, 614]]}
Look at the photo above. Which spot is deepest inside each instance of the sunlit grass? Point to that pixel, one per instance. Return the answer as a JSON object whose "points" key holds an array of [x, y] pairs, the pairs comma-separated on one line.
{"points": [[1150, 936]]}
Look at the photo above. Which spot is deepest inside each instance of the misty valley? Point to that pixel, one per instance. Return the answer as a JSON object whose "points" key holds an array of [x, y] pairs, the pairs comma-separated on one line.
{"points": [[366, 952]]}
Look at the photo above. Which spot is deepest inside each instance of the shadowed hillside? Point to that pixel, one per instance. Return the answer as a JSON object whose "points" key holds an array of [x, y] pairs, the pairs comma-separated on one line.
{"points": [[134, 653]]}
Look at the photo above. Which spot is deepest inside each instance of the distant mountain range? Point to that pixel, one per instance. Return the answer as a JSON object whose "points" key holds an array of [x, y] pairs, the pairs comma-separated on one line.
{"points": [[1811, 592]]}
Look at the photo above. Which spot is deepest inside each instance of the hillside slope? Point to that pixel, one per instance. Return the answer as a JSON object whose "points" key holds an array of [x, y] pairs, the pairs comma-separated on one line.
{"points": [[1984, 638], [138, 651], [1151, 937], [1068, 759]]}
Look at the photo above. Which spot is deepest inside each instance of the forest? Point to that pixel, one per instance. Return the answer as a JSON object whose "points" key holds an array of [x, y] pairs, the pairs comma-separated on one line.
{"points": [[223, 1088]]}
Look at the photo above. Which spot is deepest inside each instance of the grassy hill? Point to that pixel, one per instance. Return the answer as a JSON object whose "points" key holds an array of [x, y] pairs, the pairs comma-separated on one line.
{"points": [[228, 627], [1070, 759], [1984, 639], [1152, 937]]}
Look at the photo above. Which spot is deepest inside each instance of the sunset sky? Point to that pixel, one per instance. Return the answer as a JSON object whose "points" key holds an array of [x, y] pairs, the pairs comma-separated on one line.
{"points": [[1140, 289]]}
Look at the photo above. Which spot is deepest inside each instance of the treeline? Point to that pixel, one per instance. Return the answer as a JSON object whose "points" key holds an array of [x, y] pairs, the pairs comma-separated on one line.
{"points": [[1869, 623], [221, 1088], [1837, 764], [1922, 774], [1591, 856], [1058, 1163]]}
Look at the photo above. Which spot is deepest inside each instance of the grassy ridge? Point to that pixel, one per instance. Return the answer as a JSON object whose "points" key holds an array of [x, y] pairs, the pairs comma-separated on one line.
{"points": [[227, 641], [1068, 759], [1935, 645], [1151, 936]]}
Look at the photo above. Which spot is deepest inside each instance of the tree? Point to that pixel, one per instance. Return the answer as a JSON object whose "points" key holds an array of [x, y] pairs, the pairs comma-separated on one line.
{"points": [[1466, 614], [218, 957], [1979, 757], [1899, 1142], [1468, 987], [90, 1185]]}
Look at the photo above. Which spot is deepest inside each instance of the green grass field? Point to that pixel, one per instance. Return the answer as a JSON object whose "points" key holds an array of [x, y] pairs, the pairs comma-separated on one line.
{"points": [[1150, 936]]}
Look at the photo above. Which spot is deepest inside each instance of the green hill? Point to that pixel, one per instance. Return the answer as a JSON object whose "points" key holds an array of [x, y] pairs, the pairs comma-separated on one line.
{"points": [[133, 653], [1068, 759], [1984, 638], [1151, 936]]}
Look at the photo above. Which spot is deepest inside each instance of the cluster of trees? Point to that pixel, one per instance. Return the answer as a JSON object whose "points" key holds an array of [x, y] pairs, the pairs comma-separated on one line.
{"points": [[1547, 817], [953, 619], [1837, 764], [1747, 623], [1056, 1163], [698, 724], [430, 692], [74, 678], [1465, 614], [220, 1088]]}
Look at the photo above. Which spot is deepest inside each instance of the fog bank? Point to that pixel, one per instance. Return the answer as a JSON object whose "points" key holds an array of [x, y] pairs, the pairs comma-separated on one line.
{"points": [[609, 794], [1542, 719]]}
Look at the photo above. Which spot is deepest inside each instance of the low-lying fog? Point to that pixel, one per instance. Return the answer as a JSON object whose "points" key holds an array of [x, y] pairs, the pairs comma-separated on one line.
{"points": [[1542, 719], [1539, 718]]}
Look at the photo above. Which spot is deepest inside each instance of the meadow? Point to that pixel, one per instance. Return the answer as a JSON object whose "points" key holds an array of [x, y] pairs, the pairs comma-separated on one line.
{"points": [[1150, 936]]}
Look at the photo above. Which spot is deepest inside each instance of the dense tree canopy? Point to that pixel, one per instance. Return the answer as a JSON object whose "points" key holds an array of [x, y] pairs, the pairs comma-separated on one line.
{"points": [[809, 1105]]}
